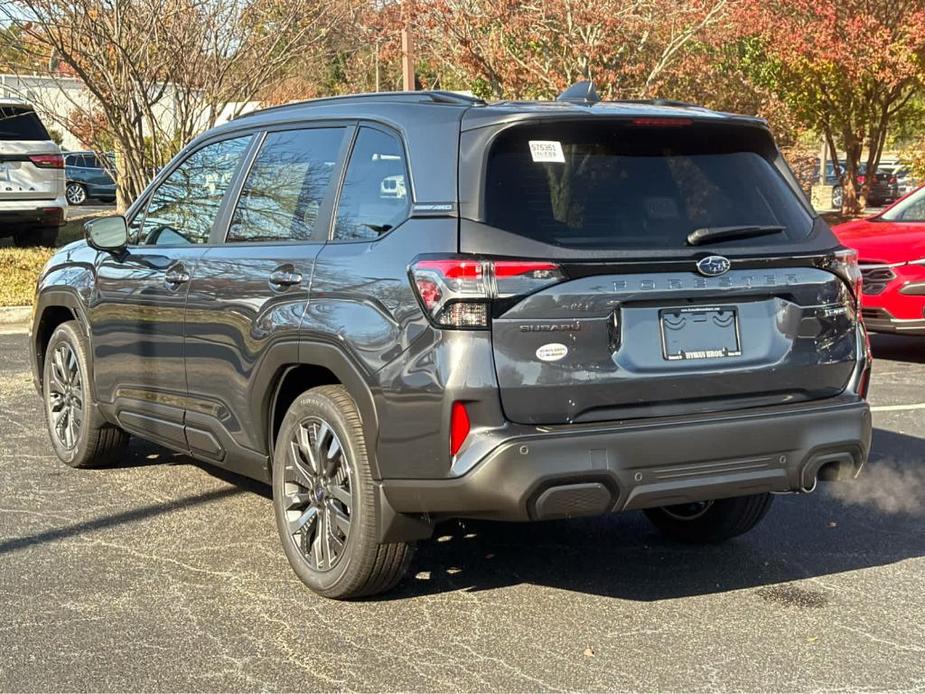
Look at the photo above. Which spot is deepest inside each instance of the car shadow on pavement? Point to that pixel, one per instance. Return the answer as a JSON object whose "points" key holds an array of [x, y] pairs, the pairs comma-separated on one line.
{"points": [[141, 513], [844, 526], [904, 348]]}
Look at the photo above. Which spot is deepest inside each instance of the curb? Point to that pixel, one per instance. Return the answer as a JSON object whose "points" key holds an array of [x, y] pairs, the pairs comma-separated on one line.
{"points": [[10, 315]]}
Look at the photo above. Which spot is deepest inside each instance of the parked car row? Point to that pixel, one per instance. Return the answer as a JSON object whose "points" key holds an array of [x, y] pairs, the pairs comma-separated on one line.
{"points": [[884, 189]]}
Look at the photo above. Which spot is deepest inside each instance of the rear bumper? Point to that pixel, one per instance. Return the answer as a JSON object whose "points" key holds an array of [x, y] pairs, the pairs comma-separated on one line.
{"points": [[17, 215], [559, 472]]}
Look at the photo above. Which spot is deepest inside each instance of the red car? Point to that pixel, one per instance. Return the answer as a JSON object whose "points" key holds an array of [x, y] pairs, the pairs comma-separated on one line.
{"points": [[891, 252]]}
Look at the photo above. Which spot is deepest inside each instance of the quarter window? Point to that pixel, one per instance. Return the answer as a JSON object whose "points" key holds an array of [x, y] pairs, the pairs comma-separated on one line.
{"points": [[375, 196], [183, 208], [283, 193]]}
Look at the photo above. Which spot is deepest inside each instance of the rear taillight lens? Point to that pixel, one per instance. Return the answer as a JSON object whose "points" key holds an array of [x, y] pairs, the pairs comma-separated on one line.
{"points": [[459, 427], [47, 161], [456, 292], [845, 265]]}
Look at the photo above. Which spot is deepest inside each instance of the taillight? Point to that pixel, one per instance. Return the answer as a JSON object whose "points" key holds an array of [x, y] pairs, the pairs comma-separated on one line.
{"points": [[47, 161], [459, 426], [845, 265], [456, 292]]}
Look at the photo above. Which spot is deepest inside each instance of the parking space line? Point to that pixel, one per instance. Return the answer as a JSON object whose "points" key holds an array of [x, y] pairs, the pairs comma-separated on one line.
{"points": [[897, 408]]}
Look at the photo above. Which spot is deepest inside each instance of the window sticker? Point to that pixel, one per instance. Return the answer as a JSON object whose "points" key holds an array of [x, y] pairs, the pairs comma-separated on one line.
{"points": [[547, 150]]}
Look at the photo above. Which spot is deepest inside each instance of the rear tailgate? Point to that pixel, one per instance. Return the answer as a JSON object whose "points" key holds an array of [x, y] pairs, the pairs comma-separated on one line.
{"points": [[615, 346], [31, 167], [633, 326]]}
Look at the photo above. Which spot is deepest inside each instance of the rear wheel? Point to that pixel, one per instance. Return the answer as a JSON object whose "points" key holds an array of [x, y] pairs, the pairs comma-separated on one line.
{"points": [[76, 194], [324, 500], [80, 436], [710, 522]]}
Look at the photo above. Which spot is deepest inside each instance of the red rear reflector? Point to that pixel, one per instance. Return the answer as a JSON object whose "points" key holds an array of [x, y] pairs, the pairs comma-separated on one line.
{"points": [[459, 427], [47, 161], [661, 122]]}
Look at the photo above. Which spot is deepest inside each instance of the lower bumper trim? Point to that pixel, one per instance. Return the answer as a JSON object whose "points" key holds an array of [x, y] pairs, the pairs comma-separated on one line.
{"points": [[555, 475]]}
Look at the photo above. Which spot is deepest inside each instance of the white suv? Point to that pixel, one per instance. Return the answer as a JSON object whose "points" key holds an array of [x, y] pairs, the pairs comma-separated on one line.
{"points": [[32, 198]]}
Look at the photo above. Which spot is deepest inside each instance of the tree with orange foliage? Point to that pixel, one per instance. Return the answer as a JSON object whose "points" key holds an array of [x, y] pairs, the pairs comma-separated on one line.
{"points": [[848, 68]]}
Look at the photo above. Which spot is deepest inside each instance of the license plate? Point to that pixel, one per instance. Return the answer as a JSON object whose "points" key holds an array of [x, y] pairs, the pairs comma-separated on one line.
{"points": [[700, 332]]}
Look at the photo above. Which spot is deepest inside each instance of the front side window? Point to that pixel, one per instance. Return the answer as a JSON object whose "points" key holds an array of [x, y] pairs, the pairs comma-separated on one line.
{"points": [[375, 196], [182, 209], [288, 182], [912, 209]]}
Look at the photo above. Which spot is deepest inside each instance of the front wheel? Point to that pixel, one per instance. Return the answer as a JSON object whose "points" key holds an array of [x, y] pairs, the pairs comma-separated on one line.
{"points": [[80, 436], [324, 500], [710, 522]]}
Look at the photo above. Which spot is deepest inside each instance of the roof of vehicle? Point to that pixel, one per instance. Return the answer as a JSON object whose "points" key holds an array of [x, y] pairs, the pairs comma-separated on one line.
{"points": [[479, 113], [9, 101]]}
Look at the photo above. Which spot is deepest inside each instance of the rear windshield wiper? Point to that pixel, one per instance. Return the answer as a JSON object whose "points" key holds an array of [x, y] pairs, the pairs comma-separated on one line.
{"points": [[719, 234]]}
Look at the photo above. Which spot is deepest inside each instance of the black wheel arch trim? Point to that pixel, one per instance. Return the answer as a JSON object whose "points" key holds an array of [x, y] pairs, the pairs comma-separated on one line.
{"points": [[277, 366], [54, 298]]}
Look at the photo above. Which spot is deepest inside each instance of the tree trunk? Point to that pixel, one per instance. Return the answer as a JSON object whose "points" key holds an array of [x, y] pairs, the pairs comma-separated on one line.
{"points": [[851, 201]]}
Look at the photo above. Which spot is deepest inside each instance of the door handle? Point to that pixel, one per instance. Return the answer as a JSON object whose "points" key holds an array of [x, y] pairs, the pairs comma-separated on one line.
{"points": [[285, 278], [176, 275]]}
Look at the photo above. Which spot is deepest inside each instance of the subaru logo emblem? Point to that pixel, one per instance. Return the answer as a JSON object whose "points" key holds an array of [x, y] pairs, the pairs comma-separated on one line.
{"points": [[713, 265]]}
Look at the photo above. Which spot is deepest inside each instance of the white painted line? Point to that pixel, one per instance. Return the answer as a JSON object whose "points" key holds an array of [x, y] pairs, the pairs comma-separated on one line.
{"points": [[897, 408]]}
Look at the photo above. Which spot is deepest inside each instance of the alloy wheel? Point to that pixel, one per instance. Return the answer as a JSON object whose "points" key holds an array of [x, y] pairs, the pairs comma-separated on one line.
{"points": [[76, 195], [318, 494], [65, 396]]}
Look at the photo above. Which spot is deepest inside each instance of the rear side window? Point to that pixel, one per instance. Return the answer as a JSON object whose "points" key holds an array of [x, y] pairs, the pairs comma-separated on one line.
{"points": [[17, 123], [374, 198], [183, 208], [286, 186], [618, 186]]}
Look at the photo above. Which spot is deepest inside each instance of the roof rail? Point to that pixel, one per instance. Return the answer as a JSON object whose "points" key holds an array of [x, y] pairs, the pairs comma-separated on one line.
{"points": [[580, 93], [435, 96]]}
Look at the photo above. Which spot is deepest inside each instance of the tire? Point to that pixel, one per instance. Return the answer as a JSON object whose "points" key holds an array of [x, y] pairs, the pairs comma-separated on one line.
{"points": [[38, 236], [76, 194], [348, 561], [838, 194], [80, 436], [711, 522]]}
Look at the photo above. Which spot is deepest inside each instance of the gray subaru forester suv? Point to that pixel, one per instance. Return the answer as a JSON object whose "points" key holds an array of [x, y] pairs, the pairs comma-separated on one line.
{"points": [[402, 308]]}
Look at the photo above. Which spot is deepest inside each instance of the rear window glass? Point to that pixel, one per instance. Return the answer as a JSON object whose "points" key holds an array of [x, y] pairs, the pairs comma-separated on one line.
{"points": [[18, 123], [617, 186]]}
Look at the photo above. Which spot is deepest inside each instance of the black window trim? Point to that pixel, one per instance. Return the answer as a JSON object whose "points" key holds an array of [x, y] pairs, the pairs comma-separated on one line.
{"points": [[140, 206], [219, 236], [373, 125]]}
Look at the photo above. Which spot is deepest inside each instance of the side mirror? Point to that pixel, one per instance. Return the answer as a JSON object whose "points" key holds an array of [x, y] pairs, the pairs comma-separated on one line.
{"points": [[108, 234]]}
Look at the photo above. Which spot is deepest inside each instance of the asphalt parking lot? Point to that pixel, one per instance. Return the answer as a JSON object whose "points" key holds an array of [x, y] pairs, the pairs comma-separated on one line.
{"points": [[162, 574]]}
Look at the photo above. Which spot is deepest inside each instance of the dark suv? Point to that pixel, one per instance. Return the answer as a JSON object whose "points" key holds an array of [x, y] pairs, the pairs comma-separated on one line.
{"points": [[401, 308]]}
